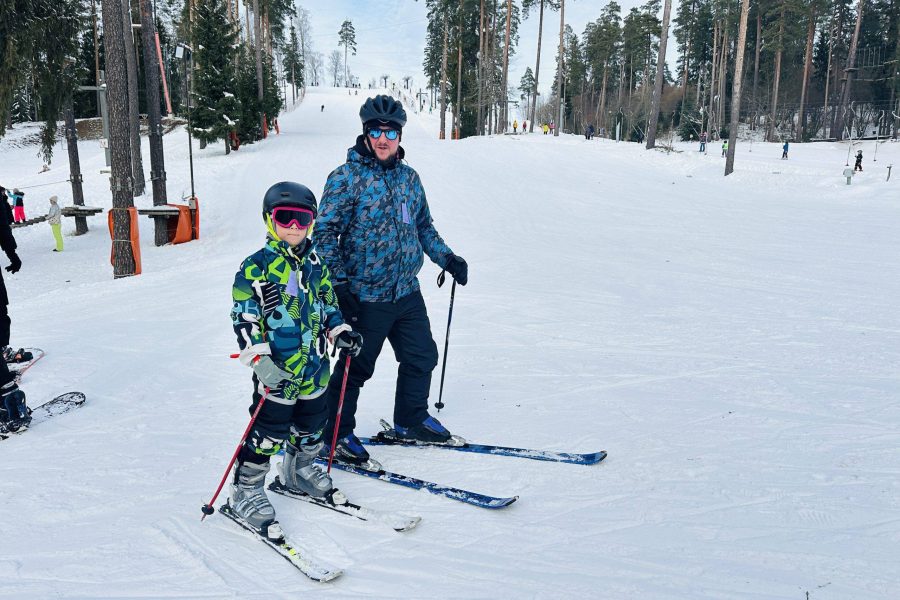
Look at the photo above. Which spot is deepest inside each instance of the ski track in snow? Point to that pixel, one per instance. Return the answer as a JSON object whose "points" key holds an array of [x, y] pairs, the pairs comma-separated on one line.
{"points": [[732, 342]]}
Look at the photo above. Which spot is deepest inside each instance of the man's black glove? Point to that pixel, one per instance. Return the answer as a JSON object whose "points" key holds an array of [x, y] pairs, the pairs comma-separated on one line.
{"points": [[14, 263], [350, 340], [458, 268], [347, 301]]}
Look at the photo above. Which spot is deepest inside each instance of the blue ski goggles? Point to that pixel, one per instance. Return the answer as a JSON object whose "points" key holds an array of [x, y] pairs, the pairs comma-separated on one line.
{"points": [[391, 134]]}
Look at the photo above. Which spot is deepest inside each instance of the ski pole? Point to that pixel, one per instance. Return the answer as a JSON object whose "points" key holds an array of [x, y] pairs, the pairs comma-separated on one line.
{"points": [[340, 408], [440, 281], [208, 508]]}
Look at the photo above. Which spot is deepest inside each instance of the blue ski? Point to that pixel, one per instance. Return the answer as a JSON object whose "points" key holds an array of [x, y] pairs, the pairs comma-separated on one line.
{"points": [[473, 498], [386, 438]]}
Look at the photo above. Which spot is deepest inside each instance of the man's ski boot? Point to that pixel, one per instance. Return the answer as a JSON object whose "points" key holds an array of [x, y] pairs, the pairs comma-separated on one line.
{"points": [[299, 473], [14, 413], [350, 451], [429, 431], [249, 502]]}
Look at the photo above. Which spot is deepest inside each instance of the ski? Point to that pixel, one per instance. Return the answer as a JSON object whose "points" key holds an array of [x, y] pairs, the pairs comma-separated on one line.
{"points": [[56, 406], [295, 555], [473, 498], [338, 502], [388, 438]]}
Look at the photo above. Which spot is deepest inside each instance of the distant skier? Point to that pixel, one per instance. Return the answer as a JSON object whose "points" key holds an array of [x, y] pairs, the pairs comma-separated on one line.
{"points": [[284, 312], [373, 229], [524, 126], [589, 132], [858, 165], [784, 150], [545, 128], [18, 199], [724, 147], [703, 138], [14, 414], [515, 126], [323, 108]]}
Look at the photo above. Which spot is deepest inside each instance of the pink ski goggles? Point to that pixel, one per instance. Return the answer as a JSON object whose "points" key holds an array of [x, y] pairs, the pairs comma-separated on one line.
{"points": [[287, 216]]}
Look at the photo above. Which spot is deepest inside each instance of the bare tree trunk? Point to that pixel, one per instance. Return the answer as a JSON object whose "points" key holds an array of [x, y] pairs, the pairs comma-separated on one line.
{"points": [[157, 161], [505, 84], [137, 165], [770, 136], [658, 84], [736, 88], [75, 167], [712, 82], [723, 75], [851, 68], [444, 82], [257, 43], [559, 68], [478, 76], [457, 117], [807, 63], [120, 179], [537, 68], [756, 63]]}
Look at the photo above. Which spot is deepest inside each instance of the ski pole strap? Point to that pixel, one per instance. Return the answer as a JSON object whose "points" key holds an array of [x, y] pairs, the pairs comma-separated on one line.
{"points": [[441, 277]]}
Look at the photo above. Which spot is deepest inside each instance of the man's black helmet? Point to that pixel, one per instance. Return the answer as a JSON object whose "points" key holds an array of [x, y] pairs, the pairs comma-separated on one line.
{"points": [[288, 193], [383, 110]]}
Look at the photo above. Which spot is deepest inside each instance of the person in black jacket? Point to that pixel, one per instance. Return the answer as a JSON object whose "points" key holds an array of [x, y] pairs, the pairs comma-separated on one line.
{"points": [[14, 414]]}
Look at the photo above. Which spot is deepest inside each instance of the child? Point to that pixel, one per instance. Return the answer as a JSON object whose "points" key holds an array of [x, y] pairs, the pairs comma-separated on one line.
{"points": [[784, 150], [284, 313], [858, 165], [515, 126], [54, 217], [18, 200], [724, 147]]}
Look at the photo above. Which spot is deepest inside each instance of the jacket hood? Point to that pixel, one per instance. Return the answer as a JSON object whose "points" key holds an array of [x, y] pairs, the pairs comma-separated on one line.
{"points": [[361, 154]]}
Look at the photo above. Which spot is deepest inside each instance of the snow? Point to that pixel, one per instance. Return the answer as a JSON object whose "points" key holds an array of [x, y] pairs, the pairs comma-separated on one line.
{"points": [[731, 342]]}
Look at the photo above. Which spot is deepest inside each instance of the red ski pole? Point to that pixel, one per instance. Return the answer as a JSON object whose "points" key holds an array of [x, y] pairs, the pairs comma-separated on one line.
{"points": [[208, 508], [337, 419]]}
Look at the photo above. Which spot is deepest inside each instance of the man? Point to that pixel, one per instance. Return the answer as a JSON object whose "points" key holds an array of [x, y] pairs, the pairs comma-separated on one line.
{"points": [[14, 414], [374, 224]]}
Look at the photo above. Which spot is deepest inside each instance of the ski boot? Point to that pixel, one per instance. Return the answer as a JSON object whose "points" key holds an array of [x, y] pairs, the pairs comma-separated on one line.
{"points": [[249, 502], [11, 355], [299, 473], [14, 414], [350, 451], [429, 431]]}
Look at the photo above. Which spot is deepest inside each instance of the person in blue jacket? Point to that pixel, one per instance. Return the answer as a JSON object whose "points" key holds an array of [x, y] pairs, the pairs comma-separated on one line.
{"points": [[373, 231]]}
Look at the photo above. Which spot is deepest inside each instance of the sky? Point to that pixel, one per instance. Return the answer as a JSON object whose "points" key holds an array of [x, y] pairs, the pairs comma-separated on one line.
{"points": [[390, 36]]}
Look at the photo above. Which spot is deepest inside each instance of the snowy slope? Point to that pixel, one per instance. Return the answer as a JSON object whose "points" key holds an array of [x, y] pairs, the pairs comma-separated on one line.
{"points": [[732, 342]]}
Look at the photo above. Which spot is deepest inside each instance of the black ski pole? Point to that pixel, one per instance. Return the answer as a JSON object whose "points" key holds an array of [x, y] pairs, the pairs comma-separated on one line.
{"points": [[440, 281]]}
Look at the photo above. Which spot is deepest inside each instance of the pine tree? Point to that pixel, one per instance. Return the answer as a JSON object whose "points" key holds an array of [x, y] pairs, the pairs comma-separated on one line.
{"points": [[248, 123], [214, 106], [293, 59], [526, 86], [347, 36]]}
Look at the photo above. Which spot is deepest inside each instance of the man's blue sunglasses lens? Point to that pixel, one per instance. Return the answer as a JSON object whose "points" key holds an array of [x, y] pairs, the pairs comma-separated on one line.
{"points": [[391, 134]]}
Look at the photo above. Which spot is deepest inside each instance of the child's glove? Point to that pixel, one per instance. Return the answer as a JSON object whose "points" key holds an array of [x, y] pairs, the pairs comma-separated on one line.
{"points": [[351, 340], [269, 374]]}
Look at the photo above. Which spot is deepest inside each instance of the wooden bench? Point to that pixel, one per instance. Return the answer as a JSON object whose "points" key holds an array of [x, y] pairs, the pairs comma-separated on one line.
{"points": [[81, 211], [28, 222], [170, 228]]}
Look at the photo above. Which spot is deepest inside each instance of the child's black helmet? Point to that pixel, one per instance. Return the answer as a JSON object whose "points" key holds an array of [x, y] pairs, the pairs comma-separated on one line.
{"points": [[383, 110], [288, 193]]}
